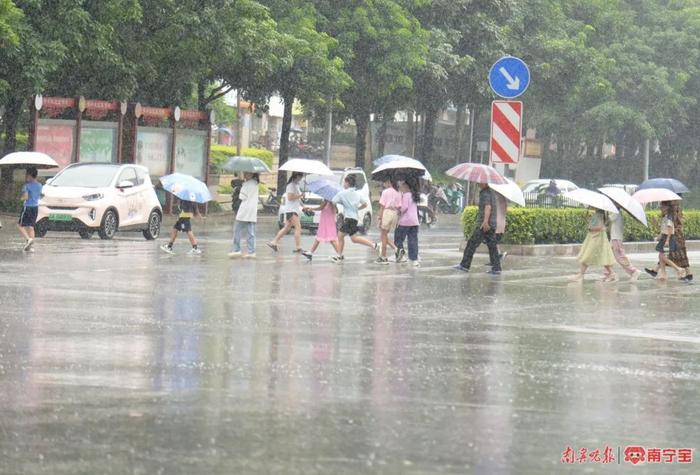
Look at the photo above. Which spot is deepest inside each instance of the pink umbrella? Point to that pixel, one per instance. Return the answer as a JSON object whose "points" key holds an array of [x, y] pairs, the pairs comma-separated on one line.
{"points": [[650, 195], [477, 173]]}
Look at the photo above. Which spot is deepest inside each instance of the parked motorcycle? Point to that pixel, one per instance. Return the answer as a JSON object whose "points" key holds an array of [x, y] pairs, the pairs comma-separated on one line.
{"points": [[271, 203]]}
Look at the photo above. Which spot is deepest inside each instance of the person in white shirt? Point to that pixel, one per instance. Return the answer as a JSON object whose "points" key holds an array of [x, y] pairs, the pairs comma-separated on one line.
{"points": [[291, 210], [246, 216], [617, 236]]}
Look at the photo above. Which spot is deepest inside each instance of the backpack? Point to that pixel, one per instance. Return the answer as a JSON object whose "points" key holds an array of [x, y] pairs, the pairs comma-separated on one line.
{"points": [[236, 197]]}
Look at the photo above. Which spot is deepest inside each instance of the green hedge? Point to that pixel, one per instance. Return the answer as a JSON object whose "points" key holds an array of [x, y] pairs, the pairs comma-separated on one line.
{"points": [[220, 153], [569, 225]]}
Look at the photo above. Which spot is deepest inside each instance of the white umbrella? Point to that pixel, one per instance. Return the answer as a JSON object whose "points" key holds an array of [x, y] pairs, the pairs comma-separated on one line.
{"points": [[593, 199], [629, 204], [650, 195], [28, 159], [304, 165], [510, 191]]}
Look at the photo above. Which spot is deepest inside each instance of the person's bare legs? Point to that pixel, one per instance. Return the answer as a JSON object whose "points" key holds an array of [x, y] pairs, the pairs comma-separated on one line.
{"points": [[283, 232], [314, 246], [193, 240], [341, 243], [23, 231], [360, 240], [581, 272], [296, 222], [666, 262], [173, 236], [334, 243], [385, 241]]}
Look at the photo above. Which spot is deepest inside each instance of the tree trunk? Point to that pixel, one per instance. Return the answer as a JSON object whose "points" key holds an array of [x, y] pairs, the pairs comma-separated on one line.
{"points": [[431, 116], [459, 132], [201, 95], [13, 110], [284, 140], [409, 139], [361, 124], [381, 135]]}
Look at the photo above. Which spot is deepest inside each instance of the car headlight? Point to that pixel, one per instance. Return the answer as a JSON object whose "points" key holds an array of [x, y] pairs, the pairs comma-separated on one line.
{"points": [[93, 197]]}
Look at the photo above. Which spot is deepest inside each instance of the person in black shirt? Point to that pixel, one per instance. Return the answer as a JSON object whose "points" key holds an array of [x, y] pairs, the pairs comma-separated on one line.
{"points": [[484, 232]]}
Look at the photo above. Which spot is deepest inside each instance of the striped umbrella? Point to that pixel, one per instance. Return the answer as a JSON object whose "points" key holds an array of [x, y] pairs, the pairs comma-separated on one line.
{"points": [[477, 173]]}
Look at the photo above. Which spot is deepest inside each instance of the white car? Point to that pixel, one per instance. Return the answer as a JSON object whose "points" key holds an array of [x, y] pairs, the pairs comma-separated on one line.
{"points": [[100, 197], [535, 191], [312, 200]]}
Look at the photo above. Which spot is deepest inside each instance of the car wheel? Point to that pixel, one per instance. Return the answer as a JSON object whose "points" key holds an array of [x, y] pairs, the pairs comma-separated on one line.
{"points": [[109, 226], [153, 230], [40, 229], [366, 223], [86, 233]]}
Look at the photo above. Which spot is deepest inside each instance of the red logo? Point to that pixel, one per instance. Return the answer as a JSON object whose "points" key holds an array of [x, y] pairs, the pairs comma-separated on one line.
{"points": [[634, 454]]}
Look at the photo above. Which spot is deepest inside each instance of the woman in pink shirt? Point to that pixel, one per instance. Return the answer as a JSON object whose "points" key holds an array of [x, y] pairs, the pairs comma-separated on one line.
{"points": [[389, 204], [408, 221]]}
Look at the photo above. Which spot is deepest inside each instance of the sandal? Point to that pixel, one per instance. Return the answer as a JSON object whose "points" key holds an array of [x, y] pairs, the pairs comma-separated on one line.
{"points": [[272, 246]]}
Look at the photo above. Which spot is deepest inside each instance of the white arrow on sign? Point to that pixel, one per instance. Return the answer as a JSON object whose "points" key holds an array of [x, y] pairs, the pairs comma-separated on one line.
{"points": [[513, 84]]}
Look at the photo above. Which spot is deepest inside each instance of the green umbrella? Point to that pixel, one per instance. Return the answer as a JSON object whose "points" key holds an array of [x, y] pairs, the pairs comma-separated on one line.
{"points": [[245, 164]]}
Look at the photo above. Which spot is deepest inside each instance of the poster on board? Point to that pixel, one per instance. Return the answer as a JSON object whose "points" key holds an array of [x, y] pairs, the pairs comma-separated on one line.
{"points": [[153, 150]]}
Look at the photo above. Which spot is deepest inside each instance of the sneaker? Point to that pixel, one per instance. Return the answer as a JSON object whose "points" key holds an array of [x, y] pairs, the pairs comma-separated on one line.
{"points": [[166, 248], [401, 256], [308, 255], [249, 256], [461, 267], [272, 246], [338, 259], [493, 272], [413, 263], [635, 276], [651, 272], [235, 254], [194, 252], [28, 245], [382, 261]]}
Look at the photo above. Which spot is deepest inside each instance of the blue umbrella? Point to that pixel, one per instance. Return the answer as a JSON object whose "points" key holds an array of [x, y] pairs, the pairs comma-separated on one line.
{"points": [[667, 183], [324, 188], [391, 158], [186, 187]]}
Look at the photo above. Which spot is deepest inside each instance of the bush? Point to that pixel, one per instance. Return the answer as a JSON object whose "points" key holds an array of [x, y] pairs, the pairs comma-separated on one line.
{"points": [[569, 225], [220, 153]]}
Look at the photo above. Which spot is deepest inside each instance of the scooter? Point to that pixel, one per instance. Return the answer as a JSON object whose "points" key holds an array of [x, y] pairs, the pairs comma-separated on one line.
{"points": [[271, 204]]}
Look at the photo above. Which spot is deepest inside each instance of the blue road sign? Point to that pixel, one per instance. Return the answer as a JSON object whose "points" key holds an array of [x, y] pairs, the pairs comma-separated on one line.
{"points": [[509, 77]]}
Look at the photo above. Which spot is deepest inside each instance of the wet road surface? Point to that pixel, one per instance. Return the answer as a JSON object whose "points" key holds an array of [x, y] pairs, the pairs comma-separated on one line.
{"points": [[118, 358]]}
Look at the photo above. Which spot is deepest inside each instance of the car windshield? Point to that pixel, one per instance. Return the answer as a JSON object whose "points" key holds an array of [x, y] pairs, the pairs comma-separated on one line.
{"points": [[531, 188], [86, 176]]}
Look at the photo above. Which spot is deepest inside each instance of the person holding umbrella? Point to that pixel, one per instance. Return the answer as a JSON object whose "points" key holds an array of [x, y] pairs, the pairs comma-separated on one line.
{"points": [[389, 204], [31, 193], [191, 192], [408, 224], [484, 232], [667, 236], [291, 210], [623, 201], [327, 230], [246, 216]]}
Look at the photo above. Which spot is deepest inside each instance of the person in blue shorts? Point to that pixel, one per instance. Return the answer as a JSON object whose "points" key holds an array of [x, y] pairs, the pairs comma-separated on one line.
{"points": [[31, 193]]}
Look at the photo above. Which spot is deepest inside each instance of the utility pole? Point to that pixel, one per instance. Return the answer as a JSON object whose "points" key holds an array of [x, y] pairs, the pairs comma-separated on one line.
{"points": [[471, 133], [238, 123], [329, 136], [646, 159]]}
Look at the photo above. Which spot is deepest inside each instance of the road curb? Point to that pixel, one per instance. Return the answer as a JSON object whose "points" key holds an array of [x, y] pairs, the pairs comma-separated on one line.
{"points": [[571, 250]]}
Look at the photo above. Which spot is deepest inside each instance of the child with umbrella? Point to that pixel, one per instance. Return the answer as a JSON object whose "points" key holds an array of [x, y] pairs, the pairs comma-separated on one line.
{"points": [[190, 191], [327, 231]]}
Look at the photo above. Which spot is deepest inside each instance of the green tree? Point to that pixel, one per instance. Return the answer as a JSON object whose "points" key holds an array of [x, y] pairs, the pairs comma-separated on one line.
{"points": [[312, 73], [382, 45]]}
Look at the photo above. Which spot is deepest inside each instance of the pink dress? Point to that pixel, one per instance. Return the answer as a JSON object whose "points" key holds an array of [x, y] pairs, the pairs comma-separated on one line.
{"points": [[327, 231]]}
